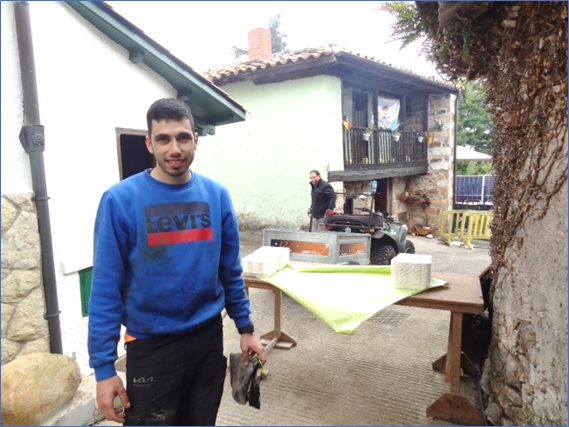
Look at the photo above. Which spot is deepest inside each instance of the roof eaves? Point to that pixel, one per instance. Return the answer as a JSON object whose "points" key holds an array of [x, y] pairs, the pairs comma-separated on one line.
{"points": [[402, 73]]}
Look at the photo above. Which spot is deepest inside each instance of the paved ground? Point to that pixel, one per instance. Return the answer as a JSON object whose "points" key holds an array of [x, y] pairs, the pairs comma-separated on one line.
{"points": [[381, 375]]}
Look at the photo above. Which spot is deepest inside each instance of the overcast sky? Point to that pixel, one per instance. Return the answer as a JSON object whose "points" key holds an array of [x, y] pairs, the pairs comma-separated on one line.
{"points": [[202, 33]]}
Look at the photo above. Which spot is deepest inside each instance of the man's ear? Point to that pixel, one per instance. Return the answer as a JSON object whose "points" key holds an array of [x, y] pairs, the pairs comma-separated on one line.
{"points": [[196, 139], [149, 146]]}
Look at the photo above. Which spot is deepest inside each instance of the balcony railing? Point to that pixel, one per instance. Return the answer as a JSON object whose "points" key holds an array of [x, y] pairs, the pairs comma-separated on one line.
{"points": [[379, 147]]}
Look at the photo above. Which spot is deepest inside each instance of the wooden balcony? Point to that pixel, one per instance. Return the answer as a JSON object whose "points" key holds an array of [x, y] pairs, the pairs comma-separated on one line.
{"points": [[376, 155]]}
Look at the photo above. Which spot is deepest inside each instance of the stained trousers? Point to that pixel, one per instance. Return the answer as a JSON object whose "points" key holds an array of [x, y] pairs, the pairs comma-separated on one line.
{"points": [[176, 379]]}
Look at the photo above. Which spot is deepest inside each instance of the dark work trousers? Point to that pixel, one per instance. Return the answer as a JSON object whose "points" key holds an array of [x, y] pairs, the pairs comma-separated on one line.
{"points": [[317, 224], [177, 379]]}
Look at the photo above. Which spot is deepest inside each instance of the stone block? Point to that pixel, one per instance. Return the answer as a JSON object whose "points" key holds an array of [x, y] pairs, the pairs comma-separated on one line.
{"points": [[36, 385]]}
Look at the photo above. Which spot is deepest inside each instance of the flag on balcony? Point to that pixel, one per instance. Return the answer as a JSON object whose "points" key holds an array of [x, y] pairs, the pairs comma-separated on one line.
{"points": [[388, 114]]}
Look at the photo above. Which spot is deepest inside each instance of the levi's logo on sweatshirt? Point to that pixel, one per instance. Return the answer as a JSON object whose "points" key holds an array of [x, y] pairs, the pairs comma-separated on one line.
{"points": [[173, 223]]}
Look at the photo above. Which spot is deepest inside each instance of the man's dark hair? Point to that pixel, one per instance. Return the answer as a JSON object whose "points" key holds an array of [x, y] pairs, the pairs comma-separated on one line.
{"points": [[169, 109], [315, 171]]}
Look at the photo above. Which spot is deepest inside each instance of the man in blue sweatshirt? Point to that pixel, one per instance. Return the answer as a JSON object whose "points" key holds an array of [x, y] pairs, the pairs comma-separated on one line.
{"points": [[165, 264]]}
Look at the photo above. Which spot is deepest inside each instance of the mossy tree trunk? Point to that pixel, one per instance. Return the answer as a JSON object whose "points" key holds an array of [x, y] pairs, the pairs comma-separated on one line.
{"points": [[520, 48]]}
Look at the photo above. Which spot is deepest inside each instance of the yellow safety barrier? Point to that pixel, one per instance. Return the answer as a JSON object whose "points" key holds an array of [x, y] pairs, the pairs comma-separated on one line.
{"points": [[466, 225], [450, 225]]}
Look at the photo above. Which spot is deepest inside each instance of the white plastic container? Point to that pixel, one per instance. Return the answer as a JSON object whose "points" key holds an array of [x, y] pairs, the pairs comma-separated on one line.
{"points": [[411, 271], [266, 260]]}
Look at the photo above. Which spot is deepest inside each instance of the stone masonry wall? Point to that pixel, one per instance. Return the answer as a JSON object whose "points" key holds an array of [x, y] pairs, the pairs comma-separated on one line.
{"points": [[24, 329], [437, 183]]}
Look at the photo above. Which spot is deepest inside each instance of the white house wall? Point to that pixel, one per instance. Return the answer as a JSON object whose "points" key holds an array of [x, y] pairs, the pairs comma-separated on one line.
{"points": [[87, 88], [16, 175], [291, 128]]}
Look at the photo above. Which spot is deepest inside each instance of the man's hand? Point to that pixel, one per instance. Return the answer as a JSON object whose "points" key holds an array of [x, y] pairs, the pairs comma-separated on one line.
{"points": [[329, 212], [250, 344], [107, 390]]}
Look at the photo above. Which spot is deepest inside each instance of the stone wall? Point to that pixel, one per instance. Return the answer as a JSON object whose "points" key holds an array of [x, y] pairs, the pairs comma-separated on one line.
{"points": [[437, 184], [24, 329]]}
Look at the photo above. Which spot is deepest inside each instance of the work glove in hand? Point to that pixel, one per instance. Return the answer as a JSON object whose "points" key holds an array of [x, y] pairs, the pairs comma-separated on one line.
{"points": [[255, 389], [245, 380]]}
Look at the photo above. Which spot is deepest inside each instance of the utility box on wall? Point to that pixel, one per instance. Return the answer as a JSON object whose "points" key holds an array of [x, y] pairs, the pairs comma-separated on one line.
{"points": [[326, 247]]}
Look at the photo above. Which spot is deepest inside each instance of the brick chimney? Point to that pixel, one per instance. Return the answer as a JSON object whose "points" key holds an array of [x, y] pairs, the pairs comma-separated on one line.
{"points": [[260, 46]]}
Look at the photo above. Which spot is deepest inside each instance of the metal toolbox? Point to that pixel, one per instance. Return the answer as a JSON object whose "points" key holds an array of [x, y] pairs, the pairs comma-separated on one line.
{"points": [[328, 247]]}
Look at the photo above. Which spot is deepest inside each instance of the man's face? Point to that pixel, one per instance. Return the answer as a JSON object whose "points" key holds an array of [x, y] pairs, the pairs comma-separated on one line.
{"points": [[173, 144], [314, 178]]}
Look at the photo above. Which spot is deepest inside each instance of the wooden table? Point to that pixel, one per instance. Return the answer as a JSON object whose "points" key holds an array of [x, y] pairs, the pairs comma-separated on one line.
{"points": [[463, 295]]}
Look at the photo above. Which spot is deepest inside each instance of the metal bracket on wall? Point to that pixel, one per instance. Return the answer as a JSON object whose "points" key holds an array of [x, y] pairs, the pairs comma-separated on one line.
{"points": [[32, 138]]}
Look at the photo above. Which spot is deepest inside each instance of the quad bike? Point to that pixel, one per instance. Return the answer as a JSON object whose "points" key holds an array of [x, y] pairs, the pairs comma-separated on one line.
{"points": [[388, 238]]}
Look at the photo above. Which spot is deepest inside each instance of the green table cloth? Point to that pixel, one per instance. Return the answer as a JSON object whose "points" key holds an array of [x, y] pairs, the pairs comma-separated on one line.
{"points": [[342, 296]]}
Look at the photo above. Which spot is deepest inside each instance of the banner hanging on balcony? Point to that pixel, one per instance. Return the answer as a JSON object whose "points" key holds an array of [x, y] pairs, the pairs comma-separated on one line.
{"points": [[388, 114]]}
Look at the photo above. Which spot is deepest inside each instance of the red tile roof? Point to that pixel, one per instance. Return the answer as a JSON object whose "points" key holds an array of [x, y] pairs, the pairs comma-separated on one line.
{"points": [[220, 72]]}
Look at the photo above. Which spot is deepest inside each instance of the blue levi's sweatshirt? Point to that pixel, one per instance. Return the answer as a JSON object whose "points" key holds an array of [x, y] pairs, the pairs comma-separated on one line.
{"points": [[165, 261]]}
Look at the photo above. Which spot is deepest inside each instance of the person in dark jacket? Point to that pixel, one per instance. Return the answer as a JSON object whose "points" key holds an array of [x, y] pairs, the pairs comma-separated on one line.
{"points": [[323, 199]]}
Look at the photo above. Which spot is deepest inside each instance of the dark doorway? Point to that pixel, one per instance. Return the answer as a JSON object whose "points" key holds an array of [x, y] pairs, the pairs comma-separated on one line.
{"points": [[382, 196], [133, 155], [360, 111], [361, 123]]}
